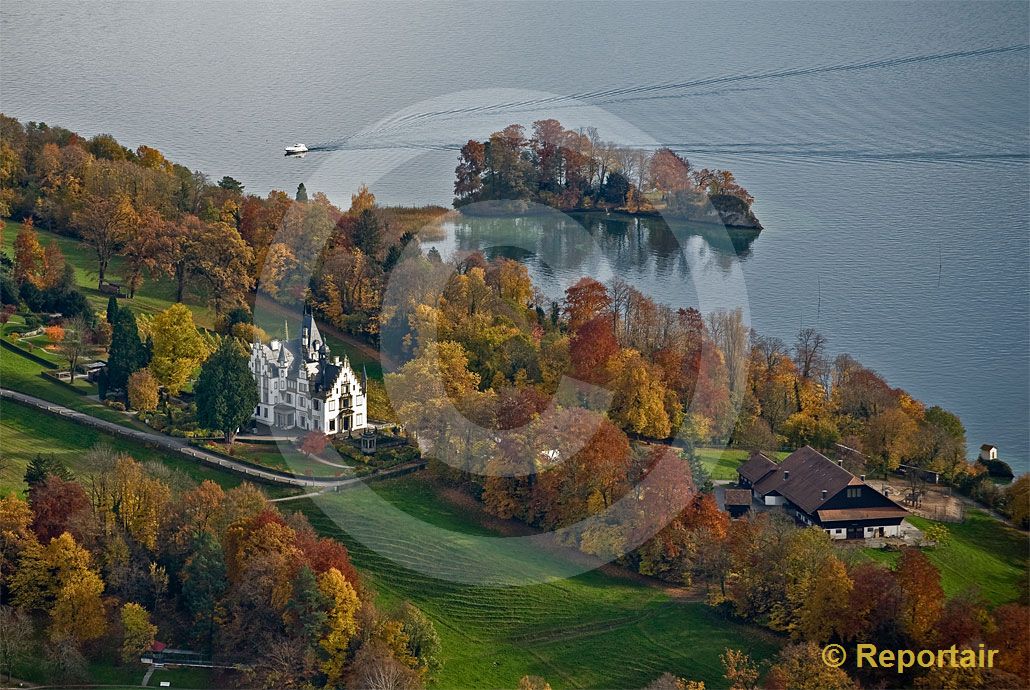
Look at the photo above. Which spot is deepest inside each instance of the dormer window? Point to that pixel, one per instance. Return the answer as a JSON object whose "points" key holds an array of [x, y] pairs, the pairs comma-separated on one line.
{"points": [[854, 492]]}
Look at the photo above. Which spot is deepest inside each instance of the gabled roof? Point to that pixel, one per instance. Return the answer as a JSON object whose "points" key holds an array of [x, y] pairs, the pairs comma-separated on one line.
{"points": [[810, 473], [738, 497], [756, 467], [987, 446]]}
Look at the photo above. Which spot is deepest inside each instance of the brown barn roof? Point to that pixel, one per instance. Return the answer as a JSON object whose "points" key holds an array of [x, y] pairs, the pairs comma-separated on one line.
{"points": [[738, 497], [811, 473], [756, 467], [861, 513]]}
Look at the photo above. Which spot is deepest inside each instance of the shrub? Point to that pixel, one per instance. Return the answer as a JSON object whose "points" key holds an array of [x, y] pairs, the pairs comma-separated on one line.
{"points": [[54, 333]]}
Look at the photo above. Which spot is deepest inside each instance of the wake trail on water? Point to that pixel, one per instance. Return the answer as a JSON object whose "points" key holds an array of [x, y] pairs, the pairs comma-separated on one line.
{"points": [[658, 90]]}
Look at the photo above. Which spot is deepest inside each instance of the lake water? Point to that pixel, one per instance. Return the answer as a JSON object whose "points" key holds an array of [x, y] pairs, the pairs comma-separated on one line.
{"points": [[886, 144]]}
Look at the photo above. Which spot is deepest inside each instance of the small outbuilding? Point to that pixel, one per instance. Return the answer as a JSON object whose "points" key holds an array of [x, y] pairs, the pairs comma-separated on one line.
{"points": [[738, 502], [988, 452]]}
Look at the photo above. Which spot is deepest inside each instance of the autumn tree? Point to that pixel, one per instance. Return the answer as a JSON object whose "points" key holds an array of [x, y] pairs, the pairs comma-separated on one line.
{"points": [[801, 667], [1018, 496], [641, 404], [54, 266], [468, 182], [888, 438], [921, 594], [104, 223], [584, 301], [75, 345], [341, 624], [78, 611], [740, 672], [178, 348], [28, 257], [669, 172], [138, 632], [226, 392], [57, 505], [143, 391], [364, 200], [828, 595], [423, 640]]}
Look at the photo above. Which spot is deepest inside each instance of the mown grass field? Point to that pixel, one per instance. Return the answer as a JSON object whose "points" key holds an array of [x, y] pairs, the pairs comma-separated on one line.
{"points": [[722, 463], [590, 630], [24, 432], [982, 553]]}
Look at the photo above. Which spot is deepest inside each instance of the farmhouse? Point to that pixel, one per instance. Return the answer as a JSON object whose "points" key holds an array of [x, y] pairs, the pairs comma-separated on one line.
{"points": [[818, 491], [301, 387]]}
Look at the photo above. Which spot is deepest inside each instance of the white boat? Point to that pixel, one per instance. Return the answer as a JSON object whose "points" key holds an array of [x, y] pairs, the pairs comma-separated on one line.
{"points": [[296, 148]]}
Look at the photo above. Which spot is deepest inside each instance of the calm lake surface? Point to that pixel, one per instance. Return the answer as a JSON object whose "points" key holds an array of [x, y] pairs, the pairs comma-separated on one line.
{"points": [[886, 144]]}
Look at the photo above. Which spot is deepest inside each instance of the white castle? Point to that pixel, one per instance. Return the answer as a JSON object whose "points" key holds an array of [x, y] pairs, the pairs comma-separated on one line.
{"points": [[301, 387]]}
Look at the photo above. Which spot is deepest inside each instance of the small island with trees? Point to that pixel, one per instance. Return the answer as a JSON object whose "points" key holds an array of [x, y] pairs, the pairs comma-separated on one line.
{"points": [[577, 171]]}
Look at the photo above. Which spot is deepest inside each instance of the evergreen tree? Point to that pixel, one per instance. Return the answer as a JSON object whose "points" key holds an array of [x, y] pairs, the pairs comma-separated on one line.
{"points": [[41, 467], [302, 192], [203, 584], [112, 310], [226, 392], [306, 611], [127, 353], [367, 233]]}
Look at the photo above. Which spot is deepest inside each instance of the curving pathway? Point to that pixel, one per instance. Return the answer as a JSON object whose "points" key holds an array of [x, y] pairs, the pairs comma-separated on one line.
{"points": [[177, 445]]}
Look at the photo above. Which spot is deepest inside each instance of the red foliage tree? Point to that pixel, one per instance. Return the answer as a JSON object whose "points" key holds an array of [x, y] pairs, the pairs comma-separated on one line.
{"points": [[590, 348], [585, 300], [57, 507]]}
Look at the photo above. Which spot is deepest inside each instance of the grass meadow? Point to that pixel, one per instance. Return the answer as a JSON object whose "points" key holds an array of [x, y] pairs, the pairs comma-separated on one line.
{"points": [[592, 630], [981, 553]]}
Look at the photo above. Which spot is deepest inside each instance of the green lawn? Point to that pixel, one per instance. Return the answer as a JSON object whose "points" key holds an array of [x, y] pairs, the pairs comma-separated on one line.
{"points": [[153, 297], [24, 432], [722, 463], [285, 459], [591, 630], [982, 553], [21, 374]]}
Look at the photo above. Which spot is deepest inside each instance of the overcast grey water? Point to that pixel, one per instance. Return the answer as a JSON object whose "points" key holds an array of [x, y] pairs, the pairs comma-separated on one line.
{"points": [[886, 144]]}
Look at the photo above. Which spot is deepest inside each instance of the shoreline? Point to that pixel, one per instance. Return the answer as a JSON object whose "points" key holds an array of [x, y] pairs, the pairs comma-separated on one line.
{"points": [[502, 211]]}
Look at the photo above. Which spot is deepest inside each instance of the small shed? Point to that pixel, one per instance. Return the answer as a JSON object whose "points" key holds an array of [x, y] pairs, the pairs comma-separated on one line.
{"points": [[738, 502], [988, 452]]}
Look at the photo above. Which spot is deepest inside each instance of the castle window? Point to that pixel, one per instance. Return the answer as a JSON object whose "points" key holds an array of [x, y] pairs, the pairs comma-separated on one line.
{"points": [[314, 404]]}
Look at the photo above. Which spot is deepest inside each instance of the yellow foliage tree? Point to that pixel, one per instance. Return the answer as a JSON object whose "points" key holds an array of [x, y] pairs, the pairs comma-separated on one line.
{"points": [[364, 200], [342, 623], [639, 405], [78, 612], [139, 633], [178, 348], [829, 594], [143, 390]]}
